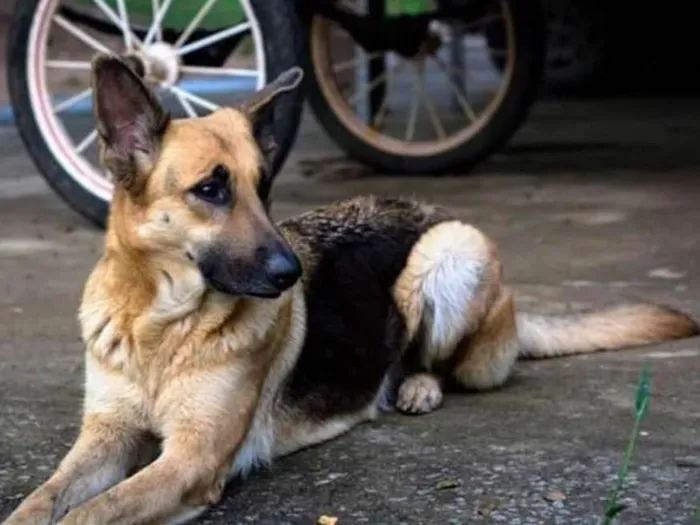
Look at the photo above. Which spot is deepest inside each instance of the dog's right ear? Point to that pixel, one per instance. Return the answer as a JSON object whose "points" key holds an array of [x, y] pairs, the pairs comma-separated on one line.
{"points": [[130, 122], [260, 109]]}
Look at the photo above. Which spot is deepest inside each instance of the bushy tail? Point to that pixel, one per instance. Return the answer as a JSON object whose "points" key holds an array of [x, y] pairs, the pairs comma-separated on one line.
{"points": [[612, 328]]}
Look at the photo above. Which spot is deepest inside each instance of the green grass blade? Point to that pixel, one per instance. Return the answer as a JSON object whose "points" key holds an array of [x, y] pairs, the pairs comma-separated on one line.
{"points": [[641, 407], [641, 401]]}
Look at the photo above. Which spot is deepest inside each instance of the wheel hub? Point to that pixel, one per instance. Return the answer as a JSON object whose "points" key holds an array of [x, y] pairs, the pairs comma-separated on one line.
{"points": [[161, 63]]}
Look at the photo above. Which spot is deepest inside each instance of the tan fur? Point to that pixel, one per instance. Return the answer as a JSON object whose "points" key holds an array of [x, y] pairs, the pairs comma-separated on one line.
{"points": [[615, 327], [485, 358]]}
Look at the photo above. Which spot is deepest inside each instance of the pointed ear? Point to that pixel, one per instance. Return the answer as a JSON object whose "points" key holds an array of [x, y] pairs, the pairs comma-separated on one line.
{"points": [[260, 109], [130, 122]]}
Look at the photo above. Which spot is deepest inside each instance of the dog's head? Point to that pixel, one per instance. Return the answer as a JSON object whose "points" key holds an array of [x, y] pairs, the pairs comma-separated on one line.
{"points": [[194, 190]]}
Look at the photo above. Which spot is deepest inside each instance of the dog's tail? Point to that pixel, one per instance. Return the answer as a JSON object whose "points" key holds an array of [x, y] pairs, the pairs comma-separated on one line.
{"points": [[609, 329]]}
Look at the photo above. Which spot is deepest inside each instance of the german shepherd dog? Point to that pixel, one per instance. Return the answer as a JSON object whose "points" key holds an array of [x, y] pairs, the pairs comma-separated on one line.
{"points": [[217, 340]]}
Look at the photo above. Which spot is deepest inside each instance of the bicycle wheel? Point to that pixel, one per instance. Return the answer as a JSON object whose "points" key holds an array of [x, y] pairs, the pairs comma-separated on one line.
{"points": [[200, 55], [443, 73]]}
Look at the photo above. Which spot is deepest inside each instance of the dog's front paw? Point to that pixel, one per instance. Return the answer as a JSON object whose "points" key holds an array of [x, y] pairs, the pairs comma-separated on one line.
{"points": [[419, 394]]}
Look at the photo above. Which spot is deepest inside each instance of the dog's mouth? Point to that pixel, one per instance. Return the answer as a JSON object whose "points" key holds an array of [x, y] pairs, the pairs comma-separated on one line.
{"points": [[273, 294], [257, 290]]}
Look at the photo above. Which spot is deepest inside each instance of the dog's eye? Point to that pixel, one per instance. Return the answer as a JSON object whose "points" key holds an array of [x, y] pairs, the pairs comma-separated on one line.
{"points": [[215, 190]]}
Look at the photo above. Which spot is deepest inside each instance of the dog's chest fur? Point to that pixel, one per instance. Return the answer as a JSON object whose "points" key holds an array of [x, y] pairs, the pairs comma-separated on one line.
{"points": [[139, 347]]}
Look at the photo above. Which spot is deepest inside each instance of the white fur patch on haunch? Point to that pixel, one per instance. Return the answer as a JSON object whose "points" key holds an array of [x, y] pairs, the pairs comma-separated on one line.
{"points": [[442, 277]]}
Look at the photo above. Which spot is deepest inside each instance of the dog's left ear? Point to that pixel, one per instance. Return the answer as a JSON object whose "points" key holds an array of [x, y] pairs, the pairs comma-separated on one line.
{"points": [[130, 121], [260, 109]]}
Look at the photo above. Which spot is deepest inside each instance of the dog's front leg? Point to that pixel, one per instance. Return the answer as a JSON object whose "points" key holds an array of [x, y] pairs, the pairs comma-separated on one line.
{"points": [[178, 481], [205, 420], [99, 458]]}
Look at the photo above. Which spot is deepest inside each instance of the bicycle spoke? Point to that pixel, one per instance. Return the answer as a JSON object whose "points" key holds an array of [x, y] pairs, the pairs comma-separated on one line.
{"points": [[68, 64], [185, 104], [212, 39], [413, 115], [121, 21], [219, 71], [350, 7], [378, 120], [347, 64], [156, 25], [73, 100], [369, 87], [490, 52], [206, 104], [463, 102], [129, 37], [457, 60], [81, 35], [455, 72], [194, 24], [486, 19], [432, 113], [154, 9], [89, 139]]}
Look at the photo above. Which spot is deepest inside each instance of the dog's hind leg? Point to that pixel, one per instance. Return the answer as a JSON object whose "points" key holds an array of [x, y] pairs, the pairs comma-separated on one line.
{"points": [[448, 288], [485, 357]]}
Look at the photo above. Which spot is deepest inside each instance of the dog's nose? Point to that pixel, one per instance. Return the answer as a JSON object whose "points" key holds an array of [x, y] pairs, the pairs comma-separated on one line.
{"points": [[282, 269]]}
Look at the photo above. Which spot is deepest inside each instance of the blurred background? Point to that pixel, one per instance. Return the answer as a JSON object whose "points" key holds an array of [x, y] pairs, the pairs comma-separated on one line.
{"points": [[399, 86]]}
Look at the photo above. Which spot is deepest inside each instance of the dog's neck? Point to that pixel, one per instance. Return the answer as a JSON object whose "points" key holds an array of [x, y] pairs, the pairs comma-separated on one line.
{"points": [[145, 299], [137, 318]]}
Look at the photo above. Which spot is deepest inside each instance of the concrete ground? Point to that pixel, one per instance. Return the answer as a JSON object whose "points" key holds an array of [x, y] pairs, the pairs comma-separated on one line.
{"points": [[592, 203]]}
